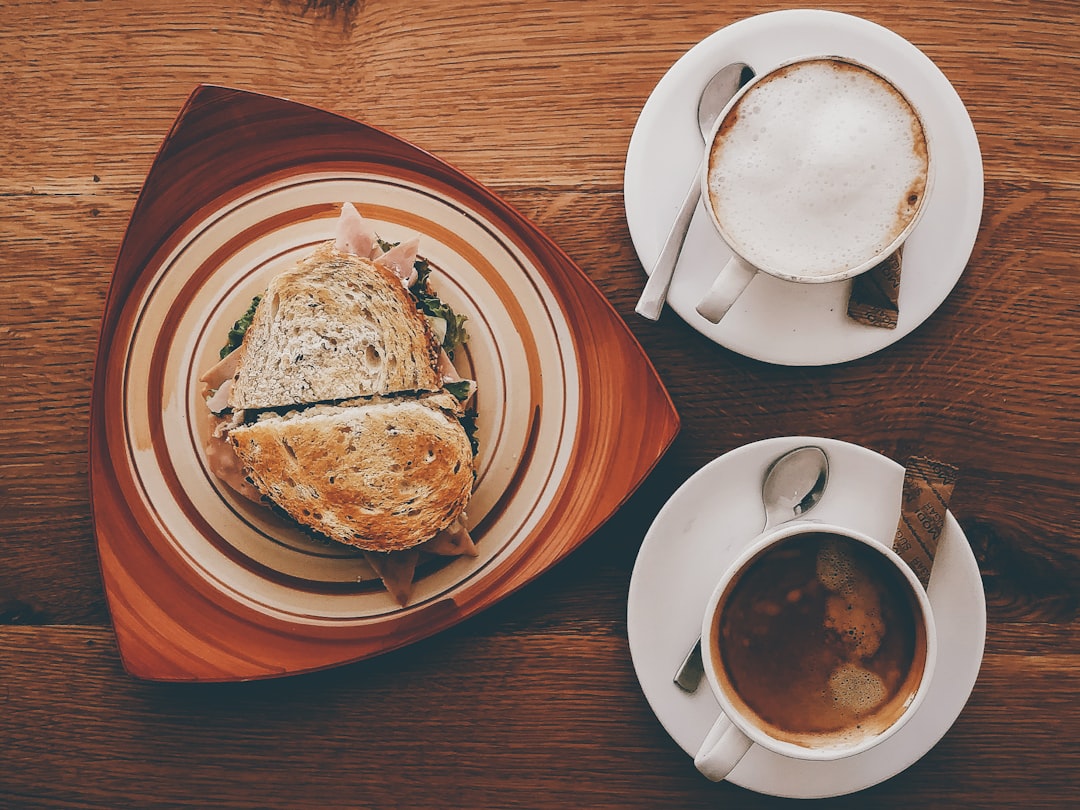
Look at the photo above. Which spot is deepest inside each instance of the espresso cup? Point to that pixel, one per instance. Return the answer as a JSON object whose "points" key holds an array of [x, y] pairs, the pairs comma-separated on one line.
{"points": [[817, 171], [818, 643]]}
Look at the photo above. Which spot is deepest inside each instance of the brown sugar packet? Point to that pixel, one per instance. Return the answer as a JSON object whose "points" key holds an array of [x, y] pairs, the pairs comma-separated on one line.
{"points": [[928, 486], [875, 294]]}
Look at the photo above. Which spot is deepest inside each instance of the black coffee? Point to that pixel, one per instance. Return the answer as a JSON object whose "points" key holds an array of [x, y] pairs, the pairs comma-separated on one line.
{"points": [[821, 640]]}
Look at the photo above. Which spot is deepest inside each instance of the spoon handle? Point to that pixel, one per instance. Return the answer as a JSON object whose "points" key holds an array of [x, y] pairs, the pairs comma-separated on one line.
{"points": [[690, 670], [656, 288]]}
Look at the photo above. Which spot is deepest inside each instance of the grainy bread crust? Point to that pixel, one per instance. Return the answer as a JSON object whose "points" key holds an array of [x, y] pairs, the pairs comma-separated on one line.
{"points": [[337, 326], [382, 475]]}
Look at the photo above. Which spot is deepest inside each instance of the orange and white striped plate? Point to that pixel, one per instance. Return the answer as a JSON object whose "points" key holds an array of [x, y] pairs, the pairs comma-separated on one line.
{"points": [[203, 585]]}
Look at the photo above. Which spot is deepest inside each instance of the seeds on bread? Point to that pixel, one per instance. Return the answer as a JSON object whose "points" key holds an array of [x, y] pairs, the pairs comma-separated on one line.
{"points": [[382, 474], [342, 407]]}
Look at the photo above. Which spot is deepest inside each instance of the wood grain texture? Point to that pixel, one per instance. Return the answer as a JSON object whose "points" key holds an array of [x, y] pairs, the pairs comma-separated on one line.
{"points": [[500, 738], [535, 704]]}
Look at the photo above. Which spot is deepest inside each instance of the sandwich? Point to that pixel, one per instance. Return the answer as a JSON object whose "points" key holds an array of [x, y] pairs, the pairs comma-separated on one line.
{"points": [[336, 403], [384, 474]]}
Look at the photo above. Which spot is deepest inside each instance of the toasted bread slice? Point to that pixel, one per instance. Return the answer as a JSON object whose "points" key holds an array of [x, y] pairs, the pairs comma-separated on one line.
{"points": [[335, 327], [382, 475]]}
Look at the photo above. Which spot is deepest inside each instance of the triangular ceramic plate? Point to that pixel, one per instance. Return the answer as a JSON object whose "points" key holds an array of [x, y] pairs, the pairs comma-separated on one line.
{"points": [[204, 586]]}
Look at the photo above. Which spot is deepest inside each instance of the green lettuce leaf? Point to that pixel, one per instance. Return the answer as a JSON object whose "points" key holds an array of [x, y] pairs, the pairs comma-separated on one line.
{"points": [[236, 334], [431, 304]]}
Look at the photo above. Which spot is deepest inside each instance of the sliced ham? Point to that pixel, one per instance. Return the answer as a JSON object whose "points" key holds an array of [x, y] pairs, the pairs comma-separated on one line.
{"points": [[218, 380], [354, 234], [453, 541], [396, 570], [222, 460], [449, 373], [220, 399], [399, 261], [224, 369]]}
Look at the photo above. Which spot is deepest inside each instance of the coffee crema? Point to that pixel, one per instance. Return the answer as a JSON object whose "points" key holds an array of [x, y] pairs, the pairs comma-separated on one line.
{"points": [[819, 641], [817, 169]]}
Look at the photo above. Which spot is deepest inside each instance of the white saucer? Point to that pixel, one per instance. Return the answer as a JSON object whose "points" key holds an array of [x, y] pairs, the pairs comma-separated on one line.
{"points": [[702, 528], [776, 321]]}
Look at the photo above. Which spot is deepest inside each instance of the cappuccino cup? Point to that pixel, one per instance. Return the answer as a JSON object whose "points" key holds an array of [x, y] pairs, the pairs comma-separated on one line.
{"points": [[816, 171], [818, 643]]}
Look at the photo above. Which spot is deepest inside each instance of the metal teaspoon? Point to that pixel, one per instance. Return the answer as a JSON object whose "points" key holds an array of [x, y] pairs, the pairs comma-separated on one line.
{"points": [[793, 485], [717, 93]]}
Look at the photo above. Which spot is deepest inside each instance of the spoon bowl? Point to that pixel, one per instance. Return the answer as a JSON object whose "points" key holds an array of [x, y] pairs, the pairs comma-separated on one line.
{"points": [[794, 484]]}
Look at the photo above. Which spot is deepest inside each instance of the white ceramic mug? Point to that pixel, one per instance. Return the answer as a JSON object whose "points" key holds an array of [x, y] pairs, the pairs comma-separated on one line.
{"points": [[817, 171], [738, 728]]}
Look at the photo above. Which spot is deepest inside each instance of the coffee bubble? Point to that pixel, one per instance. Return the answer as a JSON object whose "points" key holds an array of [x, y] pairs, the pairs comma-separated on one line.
{"points": [[856, 621], [835, 567], [854, 610], [855, 690]]}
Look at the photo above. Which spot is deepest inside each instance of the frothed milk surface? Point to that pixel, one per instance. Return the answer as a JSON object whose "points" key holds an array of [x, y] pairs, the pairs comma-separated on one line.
{"points": [[817, 169]]}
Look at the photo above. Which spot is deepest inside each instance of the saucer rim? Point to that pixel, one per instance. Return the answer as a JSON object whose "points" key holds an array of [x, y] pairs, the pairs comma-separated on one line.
{"points": [[956, 677], [849, 340]]}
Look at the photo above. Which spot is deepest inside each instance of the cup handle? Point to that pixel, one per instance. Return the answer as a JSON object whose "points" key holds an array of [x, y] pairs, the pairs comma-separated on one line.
{"points": [[722, 749], [725, 289]]}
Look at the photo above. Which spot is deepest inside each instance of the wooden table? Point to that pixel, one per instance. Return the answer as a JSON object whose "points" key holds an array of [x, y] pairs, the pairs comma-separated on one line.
{"points": [[533, 703]]}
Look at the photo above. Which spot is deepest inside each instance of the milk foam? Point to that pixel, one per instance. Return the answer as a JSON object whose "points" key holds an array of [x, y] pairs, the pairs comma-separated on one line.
{"points": [[857, 690], [854, 608], [854, 611], [817, 169]]}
